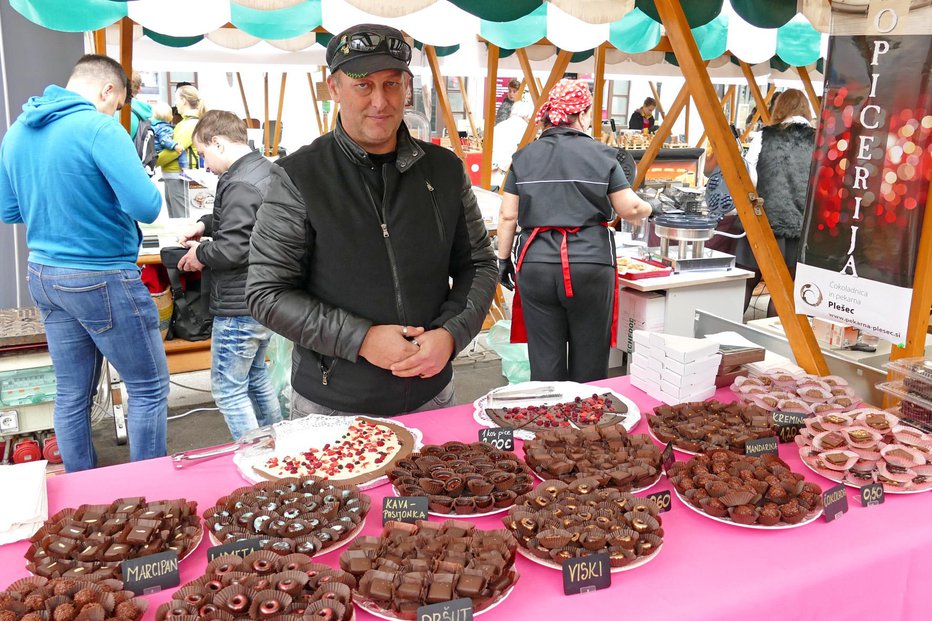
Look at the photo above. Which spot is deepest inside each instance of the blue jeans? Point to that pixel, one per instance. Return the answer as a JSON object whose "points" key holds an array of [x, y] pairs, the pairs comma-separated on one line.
{"points": [[89, 315], [238, 375]]}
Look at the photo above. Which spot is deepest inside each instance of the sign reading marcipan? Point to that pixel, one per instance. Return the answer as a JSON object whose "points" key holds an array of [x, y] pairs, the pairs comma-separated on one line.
{"points": [[870, 174]]}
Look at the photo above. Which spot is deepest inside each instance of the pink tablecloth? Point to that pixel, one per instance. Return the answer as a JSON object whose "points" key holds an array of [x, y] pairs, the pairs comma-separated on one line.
{"points": [[873, 563]]}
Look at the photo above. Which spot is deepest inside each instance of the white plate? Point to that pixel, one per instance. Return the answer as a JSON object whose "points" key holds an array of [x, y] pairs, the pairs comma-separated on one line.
{"points": [[376, 610], [554, 565], [569, 390], [453, 515], [731, 522], [662, 443], [853, 486], [342, 542], [632, 491], [307, 432]]}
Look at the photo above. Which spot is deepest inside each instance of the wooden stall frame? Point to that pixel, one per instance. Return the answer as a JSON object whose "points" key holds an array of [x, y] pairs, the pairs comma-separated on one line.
{"points": [[485, 170], [728, 98], [443, 100], [242, 94], [757, 115], [750, 207], [313, 87], [521, 53], [810, 90], [656, 94], [278, 116], [265, 125], [126, 60], [597, 101], [467, 107]]}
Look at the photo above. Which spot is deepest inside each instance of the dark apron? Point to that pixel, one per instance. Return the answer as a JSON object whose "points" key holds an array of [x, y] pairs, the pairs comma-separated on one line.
{"points": [[518, 327]]}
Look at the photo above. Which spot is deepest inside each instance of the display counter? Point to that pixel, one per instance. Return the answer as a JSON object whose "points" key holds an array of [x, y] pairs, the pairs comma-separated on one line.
{"points": [[850, 568], [680, 164]]}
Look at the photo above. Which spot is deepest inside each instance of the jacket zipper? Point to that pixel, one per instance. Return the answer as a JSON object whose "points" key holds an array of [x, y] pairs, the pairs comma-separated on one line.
{"points": [[393, 264], [441, 229]]}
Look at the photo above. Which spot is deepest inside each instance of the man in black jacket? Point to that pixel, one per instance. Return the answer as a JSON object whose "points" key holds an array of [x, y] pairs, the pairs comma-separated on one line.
{"points": [[238, 375], [356, 243]]}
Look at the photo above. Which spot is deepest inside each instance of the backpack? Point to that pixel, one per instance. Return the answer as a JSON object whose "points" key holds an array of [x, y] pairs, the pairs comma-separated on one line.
{"points": [[145, 145], [191, 319]]}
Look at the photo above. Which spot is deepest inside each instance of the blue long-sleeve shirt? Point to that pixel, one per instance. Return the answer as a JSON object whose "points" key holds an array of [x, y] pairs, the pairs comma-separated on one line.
{"points": [[71, 174]]}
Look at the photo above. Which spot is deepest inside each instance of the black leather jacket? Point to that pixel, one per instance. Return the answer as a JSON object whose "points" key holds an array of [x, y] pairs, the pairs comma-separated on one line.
{"points": [[240, 192], [329, 259]]}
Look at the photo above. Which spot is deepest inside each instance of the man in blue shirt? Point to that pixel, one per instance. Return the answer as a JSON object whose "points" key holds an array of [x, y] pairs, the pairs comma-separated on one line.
{"points": [[70, 173]]}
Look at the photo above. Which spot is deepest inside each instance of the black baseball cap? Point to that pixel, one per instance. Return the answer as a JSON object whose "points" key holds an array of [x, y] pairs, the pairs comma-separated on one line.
{"points": [[366, 48]]}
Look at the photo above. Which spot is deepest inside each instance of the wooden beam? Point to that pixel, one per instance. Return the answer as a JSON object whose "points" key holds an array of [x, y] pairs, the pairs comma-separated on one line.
{"points": [[313, 87], [540, 85], [810, 91], [468, 108], [242, 93], [521, 53], [488, 117], [686, 132], [733, 105], [663, 132], [922, 292], [757, 115], [728, 94], [755, 92], [656, 95], [100, 41], [556, 73], [599, 92], [443, 100], [750, 208], [126, 60], [334, 116], [278, 117], [265, 125]]}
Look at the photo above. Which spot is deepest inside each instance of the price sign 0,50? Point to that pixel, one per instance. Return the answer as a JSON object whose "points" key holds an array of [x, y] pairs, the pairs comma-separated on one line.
{"points": [[502, 438], [872, 495]]}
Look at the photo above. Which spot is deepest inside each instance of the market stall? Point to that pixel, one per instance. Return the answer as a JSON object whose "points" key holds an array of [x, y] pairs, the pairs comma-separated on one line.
{"points": [[843, 473]]}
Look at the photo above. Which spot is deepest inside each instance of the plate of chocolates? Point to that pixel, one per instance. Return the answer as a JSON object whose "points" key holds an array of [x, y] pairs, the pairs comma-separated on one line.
{"points": [[530, 407], [306, 515], [69, 599], [705, 425], [474, 479], [560, 521], [802, 394], [608, 454], [264, 585], [413, 565], [91, 541], [752, 492], [867, 446]]}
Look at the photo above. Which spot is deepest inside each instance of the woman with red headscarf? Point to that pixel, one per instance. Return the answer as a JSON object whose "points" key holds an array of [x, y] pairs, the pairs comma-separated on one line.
{"points": [[563, 190]]}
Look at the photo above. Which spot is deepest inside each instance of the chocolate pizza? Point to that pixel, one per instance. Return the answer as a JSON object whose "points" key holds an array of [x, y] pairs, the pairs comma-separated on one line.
{"points": [[598, 409]]}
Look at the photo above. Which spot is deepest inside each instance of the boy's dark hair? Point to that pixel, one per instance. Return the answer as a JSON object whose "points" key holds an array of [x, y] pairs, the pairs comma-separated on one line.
{"points": [[513, 83], [650, 102], [101, 68], [220, 123]]}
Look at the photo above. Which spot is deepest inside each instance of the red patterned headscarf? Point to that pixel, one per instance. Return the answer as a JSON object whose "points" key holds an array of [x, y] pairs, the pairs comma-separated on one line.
{"points": [[567, 97]]}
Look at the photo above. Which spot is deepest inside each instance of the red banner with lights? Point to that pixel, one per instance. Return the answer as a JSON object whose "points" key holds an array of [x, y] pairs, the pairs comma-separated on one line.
{"points": [[869, 184]]}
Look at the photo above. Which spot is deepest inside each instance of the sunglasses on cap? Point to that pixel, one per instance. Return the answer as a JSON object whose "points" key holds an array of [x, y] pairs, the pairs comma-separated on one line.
{"points": [[367, 42]]}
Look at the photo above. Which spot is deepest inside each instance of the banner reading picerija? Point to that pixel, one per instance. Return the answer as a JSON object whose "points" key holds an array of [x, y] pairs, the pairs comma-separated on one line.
{"points": [[869, 181]]}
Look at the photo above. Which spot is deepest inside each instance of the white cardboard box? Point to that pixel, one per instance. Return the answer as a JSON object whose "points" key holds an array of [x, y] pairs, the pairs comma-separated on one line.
{"points": [[697, 396], [692, 382], [684, 349], [641, 337], [651, 375], [701, 366]]}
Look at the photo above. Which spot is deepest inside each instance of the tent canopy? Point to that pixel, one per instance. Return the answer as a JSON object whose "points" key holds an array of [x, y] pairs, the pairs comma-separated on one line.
{"points": [[753, 31]]}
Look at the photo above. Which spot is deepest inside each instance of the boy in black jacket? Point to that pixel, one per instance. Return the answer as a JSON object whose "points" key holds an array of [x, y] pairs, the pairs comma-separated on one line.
{"points": [[239, 378]]}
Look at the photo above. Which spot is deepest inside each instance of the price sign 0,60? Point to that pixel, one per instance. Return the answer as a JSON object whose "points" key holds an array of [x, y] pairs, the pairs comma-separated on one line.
{"points": [[502, 438], [663, 500], [872, 495]]}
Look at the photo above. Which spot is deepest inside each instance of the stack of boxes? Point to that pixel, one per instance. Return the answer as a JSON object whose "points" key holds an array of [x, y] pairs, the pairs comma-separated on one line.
{"points": [[674, 369], [638, 310]]}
